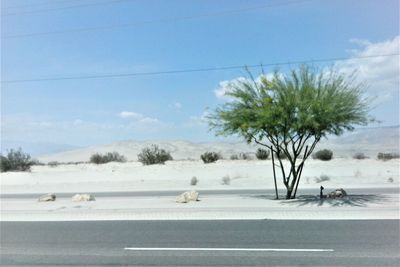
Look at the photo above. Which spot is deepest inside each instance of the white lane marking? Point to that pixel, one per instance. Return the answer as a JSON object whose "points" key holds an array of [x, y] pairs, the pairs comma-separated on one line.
{"points": [[232, 249]]}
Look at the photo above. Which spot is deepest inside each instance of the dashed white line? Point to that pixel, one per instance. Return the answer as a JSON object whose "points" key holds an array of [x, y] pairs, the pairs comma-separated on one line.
{"points": [[232, 249]]}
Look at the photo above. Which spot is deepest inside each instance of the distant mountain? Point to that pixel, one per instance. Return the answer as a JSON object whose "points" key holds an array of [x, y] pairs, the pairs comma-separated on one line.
{"points": [[35, 148], [367, 140]]}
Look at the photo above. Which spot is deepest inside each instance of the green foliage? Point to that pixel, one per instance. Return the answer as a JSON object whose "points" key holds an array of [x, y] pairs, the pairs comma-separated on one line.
{"points": [[292, 113], [209, 157], [153, 155], [16, 160], [262, 154], [98, 158], [388, 156], [324, 154]]}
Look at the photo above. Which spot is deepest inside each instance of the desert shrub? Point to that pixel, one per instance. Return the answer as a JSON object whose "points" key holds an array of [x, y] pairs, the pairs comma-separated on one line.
{"points": [[388, 156], [234, 157], [359, 155], [324, 154], [262, 154], [322, 178], [226, 180], [16, 160], [281, 155], [153, 155], [210, 157], [194, 180], [241, 156], [98, 158], [53, 164], [36, 162]]}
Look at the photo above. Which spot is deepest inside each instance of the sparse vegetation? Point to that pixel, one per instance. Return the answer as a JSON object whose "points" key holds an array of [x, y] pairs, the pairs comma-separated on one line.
{"points": [[359, 155], [241, 156], [98, 158], [53, 164], [262, 154], [322, 178], [226, 180], [153, 155], [209, 157], [324, 154], [194, 180], [16, 160], [388, 156], [234, 157]]}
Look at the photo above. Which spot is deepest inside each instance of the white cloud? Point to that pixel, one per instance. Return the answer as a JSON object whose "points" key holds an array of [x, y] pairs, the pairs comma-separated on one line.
{"points": [[176, 105], [225, 86], [381, 74], [130, 115], [77, 122], [140, 121]]}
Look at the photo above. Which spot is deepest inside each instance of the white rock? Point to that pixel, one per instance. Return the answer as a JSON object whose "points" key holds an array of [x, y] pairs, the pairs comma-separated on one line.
{"points": [[187, 197], [47, 197], [83, 197]]}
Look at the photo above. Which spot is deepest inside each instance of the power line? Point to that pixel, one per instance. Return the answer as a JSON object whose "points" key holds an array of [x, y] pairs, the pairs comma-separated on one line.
{"points": [[167, 20], [206, 69], [66, 7], [41, 4]]}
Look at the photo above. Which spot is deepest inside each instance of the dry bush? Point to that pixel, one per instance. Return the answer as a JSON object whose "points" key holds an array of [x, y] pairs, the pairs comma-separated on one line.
{"points": [[154, 155], [209, 157], [324, 154]]}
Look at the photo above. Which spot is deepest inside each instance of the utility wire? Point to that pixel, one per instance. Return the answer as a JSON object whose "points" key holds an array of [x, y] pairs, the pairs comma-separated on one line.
{"points": [[41, 4], [61, 8], [206, 69], [166, 20]]}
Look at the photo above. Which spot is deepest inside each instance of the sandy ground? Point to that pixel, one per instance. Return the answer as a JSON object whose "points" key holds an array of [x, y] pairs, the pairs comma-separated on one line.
{"points": [[385, 206], [176, 175]]}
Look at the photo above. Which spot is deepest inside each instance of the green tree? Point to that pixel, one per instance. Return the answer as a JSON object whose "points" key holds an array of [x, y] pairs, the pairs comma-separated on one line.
{"points": [[290, 114]]}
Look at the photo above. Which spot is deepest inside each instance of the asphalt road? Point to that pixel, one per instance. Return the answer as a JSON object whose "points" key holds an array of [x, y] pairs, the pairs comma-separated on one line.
{"points": [[211, 243]]}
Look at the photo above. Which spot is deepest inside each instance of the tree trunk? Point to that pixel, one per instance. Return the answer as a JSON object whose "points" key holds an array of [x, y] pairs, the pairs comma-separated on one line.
{"points": [[289, 193], [273, 168]]}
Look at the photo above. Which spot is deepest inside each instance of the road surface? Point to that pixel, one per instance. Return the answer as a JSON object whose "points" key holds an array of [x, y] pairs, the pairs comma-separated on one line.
{"points": [[202, 243]]}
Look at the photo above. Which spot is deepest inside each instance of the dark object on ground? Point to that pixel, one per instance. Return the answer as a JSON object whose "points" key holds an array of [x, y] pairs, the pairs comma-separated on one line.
{"points": [[324, 154], [154, 155], [388, 156], [108, 157], [338, 193], [321, 194], [210, 157], [16, 160]]}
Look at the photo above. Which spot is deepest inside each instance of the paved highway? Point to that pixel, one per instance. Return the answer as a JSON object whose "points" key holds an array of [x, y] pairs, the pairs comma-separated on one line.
{"points": [[201, 243]]}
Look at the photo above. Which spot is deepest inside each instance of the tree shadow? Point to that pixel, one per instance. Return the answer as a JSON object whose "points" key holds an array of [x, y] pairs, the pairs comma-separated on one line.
{"points": [[349, 200]]}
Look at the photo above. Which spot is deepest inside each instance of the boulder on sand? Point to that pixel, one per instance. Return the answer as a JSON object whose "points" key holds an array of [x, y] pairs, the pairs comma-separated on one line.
{"points": [[338, 193], [83, 198], [47, 197], [187, 197]]}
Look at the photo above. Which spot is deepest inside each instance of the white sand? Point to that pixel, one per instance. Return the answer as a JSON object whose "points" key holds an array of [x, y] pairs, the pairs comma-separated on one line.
{"points": [[176, 175], [210, 207]]}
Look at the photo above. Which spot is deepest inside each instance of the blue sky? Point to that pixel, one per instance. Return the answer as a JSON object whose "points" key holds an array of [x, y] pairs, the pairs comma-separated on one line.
{"points": [[170, 35]]}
